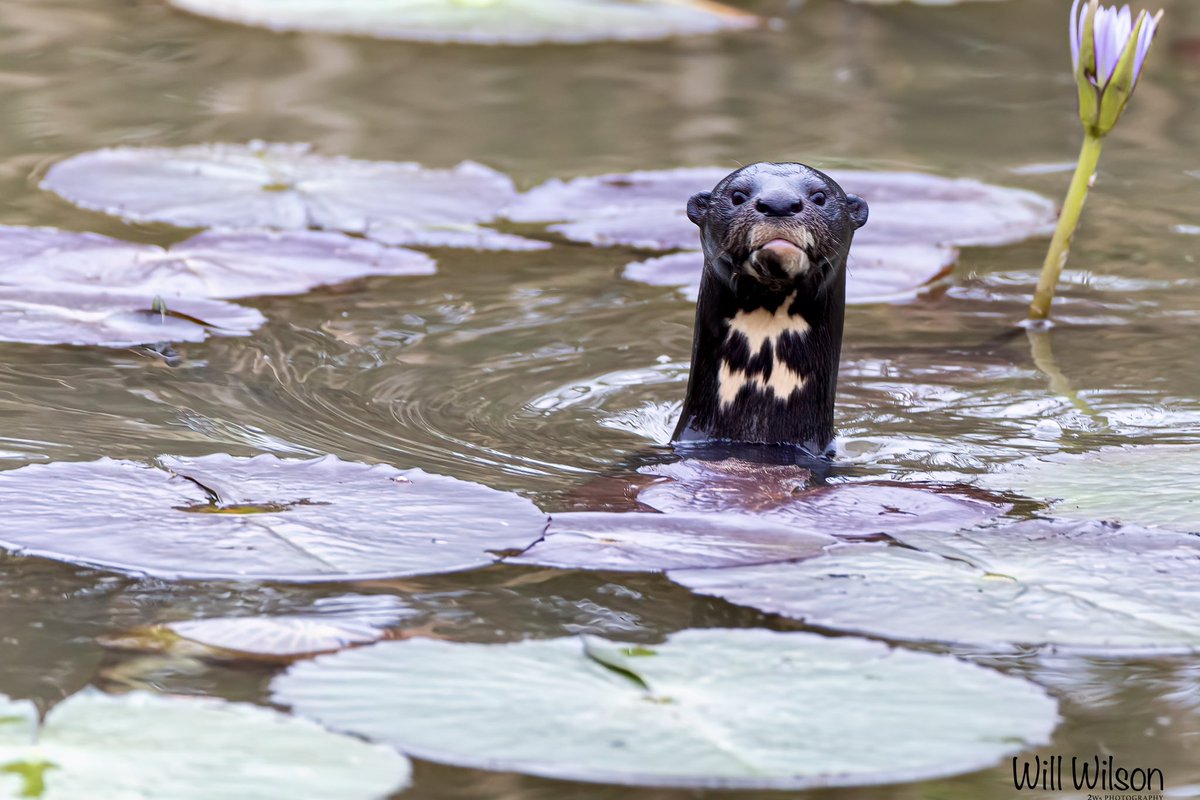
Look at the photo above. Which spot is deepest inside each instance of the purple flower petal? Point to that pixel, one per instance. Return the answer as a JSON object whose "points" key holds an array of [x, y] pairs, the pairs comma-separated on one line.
{"points": [[1076, 33], [1145, 39]]}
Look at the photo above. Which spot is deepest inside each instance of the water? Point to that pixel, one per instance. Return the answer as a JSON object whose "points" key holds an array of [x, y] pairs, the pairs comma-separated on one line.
{"points": [[535, 372]]}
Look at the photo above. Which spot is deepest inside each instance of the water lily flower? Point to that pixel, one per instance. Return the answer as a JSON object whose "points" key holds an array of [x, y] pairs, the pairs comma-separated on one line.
{"points": [[1108, 50]]}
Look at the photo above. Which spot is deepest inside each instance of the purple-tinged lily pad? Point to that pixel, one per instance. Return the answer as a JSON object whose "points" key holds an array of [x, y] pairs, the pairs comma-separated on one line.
{"points": [[113, 319], [1075, 586], [653, 542], [875, 273], [226, 265], [511, 22], [707, 709], [283, 186], [782, 494], [333, 623], [260, 518], [646, 209]]}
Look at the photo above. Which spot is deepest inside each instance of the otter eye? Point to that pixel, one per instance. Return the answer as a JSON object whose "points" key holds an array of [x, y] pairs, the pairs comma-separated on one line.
{"points": [[739, 197], [818, 198]]}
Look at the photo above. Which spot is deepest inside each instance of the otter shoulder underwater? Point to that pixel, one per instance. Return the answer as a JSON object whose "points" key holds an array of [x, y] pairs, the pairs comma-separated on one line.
{"points": [[772, 302]]}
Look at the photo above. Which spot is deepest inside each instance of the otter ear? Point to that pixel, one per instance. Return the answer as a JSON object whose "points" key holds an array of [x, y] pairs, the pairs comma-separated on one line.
{"points": [[858, 209], [698, 206]]}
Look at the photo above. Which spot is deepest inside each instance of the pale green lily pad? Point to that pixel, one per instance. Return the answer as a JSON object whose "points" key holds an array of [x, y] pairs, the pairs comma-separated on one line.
{"points": [[706, 709], [513, 22], [261, 518], [224, 265], [1070, 586], [288, 187], [142, 745], [1146, 485], [83, 316]]}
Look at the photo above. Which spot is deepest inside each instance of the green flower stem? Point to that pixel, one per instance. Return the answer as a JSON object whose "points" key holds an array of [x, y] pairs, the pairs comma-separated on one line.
{"points": [[1060, 245]]}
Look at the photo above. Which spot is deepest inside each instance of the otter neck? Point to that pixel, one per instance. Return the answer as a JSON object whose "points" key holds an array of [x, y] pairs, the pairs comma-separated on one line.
{"points": [[765, 368]]}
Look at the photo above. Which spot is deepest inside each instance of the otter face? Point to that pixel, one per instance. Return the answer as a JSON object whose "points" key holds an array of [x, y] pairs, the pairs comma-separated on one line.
{"points": [[779, 226]]}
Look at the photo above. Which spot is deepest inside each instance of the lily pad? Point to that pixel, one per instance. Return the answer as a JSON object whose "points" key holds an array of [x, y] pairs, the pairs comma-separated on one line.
{"points": [[227, 265], [1147, 485], [260, 518], [513, 22], [647, 209], [334, 623], [285, 186], [1080, 587], [653, 542], [875, 273], [186, 748], [782, 495], [705, 709], [112, 319]]}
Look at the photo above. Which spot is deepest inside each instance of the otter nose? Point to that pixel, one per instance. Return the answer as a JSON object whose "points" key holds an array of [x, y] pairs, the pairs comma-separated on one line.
{"points": [[778, 204]]}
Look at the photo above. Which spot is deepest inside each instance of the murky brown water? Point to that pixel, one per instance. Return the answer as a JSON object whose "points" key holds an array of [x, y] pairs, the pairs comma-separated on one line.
{"points": [[536, 371]]}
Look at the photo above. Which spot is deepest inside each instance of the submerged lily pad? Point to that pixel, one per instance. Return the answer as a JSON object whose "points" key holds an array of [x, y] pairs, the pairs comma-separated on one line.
{"points": [[289, 187], [333, 623], [515, 22], [187, 748], [875, 273], [652, 542], [1081, 587], [781, 494], [705, 709], [261, 518], [227, 265], [115, 319], [1147, 485]]}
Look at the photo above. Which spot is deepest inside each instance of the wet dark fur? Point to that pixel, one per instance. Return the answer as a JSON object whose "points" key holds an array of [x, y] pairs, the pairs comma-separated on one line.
{"points": [[735, 279]]}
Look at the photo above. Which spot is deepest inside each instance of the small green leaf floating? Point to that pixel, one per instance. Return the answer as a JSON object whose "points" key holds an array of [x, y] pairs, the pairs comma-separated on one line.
{"points": [[710, 709], [264, 518], [1147, 485], [33, 773], [94, 745], [1079, 587]]}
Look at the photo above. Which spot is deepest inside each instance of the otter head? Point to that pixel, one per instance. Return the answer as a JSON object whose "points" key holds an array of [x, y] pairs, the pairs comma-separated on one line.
{"points": [[772, 300], [772, 228]]}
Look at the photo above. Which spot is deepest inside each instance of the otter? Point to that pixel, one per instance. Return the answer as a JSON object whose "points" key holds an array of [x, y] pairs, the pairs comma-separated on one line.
{"points": [[772, 301]]}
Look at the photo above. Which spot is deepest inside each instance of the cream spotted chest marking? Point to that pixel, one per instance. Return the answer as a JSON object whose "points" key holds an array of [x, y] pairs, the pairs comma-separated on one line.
{"points": [[772, 301], [762, 353]]}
